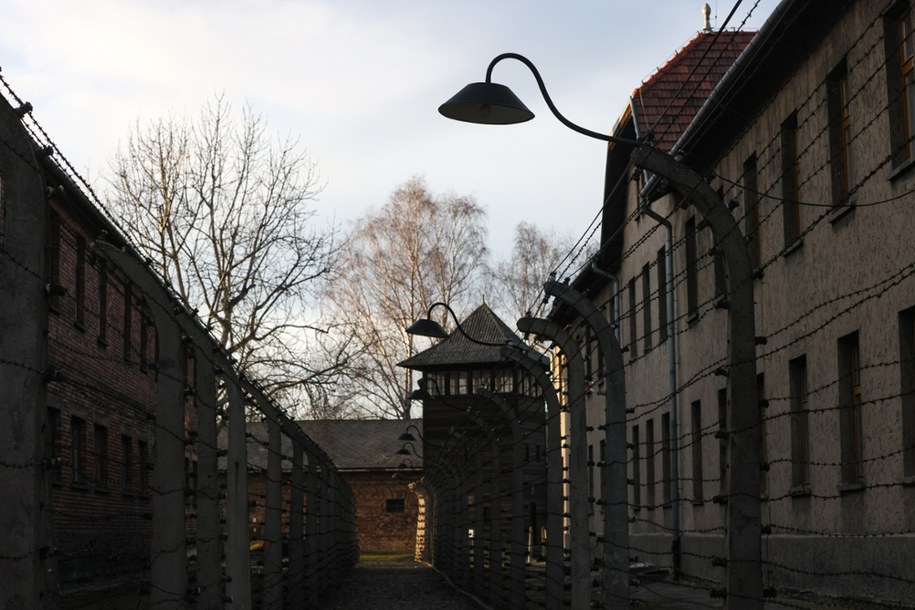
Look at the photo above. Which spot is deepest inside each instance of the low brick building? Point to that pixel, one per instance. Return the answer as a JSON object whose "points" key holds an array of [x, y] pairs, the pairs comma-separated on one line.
{"points": [[366, 455]]}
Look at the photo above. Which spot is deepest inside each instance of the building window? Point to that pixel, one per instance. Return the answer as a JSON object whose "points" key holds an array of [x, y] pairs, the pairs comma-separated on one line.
{"points": [[636, 469], [53, 440], [145, 466], [791, 174], [646, 305], [591, 486], [144, 342], [692, 271], [751, 205], [458, 383], [633, 331], [649, 463], [394, 505], [127, 480], [907, 373], [103, 302], [662, 295], [723, 442], [128, 319], [696, 418], [80, 289], [900, 80], [850, 424], [78, 450], [800, 435], [839, 135], [101, 457], [665, 457], [53, 261]]}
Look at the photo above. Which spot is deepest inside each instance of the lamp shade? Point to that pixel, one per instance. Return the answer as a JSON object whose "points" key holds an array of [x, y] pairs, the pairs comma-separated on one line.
{"points": [[489, 103], [424, 327]]}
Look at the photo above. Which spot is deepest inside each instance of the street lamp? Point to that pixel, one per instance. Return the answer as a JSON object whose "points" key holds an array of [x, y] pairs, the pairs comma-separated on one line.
{"points": [[427, 327], [406, 436], [490, 103], [411, 451]]}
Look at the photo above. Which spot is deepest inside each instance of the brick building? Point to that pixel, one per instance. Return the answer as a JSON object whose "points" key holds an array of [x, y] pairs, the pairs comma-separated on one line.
{"points": [[365, 453], [99, 374], [807, 140]]}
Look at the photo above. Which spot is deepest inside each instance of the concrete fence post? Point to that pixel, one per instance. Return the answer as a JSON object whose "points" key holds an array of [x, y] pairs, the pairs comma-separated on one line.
{"points": [[209, 543], [26, 550], [534, 364], [273, 519], [614, 485], [580, 545], [744, 519], [238, 562], [296, 573]]}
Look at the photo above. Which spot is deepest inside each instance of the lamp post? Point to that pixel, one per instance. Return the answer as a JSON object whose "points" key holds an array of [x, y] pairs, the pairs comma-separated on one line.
{"points": [[492, 103]]}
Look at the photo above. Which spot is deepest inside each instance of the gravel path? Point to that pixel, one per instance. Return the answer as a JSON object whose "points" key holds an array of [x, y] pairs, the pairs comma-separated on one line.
{"points": [[395, 586]]}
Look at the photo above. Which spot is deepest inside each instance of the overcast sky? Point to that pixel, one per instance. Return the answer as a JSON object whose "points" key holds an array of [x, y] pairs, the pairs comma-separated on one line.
{"points": [[360, 81]]}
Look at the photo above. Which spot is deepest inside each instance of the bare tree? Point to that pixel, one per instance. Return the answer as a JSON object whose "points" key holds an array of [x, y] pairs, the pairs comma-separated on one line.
{"points": [[418, 249], [516, 283], [224, 212]]}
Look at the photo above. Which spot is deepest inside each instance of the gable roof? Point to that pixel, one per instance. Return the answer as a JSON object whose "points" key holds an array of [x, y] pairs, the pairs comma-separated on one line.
{"points": [[352, 444], [362, 444], [484, 326], [666, 103]]}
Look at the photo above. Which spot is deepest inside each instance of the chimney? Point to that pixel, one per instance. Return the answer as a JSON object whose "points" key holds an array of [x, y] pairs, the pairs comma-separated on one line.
{"points": [[706, 15]]}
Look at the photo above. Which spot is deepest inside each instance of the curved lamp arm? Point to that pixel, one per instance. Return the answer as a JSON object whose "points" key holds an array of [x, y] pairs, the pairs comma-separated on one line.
{"points": [[492, 103], [427, 327], [411, 451], [406, 436]]}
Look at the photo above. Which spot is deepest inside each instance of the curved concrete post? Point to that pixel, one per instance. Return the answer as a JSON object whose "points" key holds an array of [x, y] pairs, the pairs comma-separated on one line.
{"points": [[168, 570], [518, 544], [25, 523], [555, 573], [296, 574], [311, 527], [614, 484], [209, 543], [238, 563], [744, 524], [580, 543], [273, 519]]}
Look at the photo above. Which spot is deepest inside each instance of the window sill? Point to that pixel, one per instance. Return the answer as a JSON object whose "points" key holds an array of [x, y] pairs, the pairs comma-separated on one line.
{"points": [[692, 318], [102, 343], [847, 488], [698, 502], [79, 486], [800, 491], [841, 211], [908, 481], [902, 170], [79, 326], [793, 247]]}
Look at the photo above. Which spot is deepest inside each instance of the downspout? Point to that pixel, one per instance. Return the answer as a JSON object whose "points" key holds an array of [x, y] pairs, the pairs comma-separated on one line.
{"points": [[673, 410]]}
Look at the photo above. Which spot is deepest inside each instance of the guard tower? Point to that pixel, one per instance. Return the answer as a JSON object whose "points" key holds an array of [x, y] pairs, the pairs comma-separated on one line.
{"points": [[470, 391]]}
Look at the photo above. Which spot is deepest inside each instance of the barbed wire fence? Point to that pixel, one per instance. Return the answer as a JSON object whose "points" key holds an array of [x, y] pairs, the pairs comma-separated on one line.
{"points": [[115, 394]]}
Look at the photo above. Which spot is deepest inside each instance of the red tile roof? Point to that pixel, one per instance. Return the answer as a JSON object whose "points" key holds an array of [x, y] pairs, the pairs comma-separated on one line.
{"points": [[666, 103]]}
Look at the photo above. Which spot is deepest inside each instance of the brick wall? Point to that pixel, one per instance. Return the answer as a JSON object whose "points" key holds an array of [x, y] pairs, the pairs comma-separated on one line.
{"points": [[101, 406], [376, 494]]}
